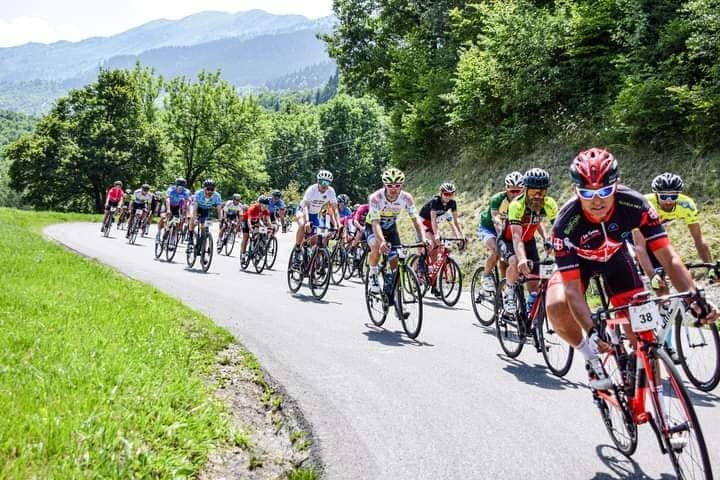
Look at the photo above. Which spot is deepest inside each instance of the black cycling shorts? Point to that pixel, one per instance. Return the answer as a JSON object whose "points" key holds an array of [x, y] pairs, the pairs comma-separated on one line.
{"points": [[507, 250], [112, 204]]}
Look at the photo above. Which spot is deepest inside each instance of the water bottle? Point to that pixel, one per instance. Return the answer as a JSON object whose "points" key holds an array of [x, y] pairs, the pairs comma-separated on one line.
{"points": [[531, 301]]}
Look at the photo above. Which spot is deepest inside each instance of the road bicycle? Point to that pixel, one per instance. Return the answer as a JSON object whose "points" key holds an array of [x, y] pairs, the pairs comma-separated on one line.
{"points": [[203, 247], [338, 259], [513, 330], [486, 304], [107, 226], [442, 276], [256, 250], [400, 290], [647, 388], [134, 225], [311, 262], [171, 237], [356, 260], [227, 239], [122, 218]]}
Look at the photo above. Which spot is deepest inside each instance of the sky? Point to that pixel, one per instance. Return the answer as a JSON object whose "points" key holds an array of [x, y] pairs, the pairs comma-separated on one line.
{"points": [[47, 21]]}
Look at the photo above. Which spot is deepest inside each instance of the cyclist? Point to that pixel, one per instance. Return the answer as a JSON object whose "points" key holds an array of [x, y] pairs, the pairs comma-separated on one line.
{"points": [[277, 208], [589, 239], [175, 201], [157, 205], [315, 198], [439, 207], [251, 218], [141, 199], [670, 204], [380, 224], [113, 198], [358, 223], [517, 244], [344, 213], [203, 200], [492, 220], [233, 210], [124, 211]]}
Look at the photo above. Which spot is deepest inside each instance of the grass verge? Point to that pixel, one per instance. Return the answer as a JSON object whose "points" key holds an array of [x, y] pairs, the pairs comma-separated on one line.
{"points": [[100, 376]]}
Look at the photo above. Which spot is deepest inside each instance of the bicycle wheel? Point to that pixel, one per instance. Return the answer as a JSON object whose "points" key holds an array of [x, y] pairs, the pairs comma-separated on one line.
{"points": [[319, 273], [245, 261], [295, 273], [699, 352], [206, 252], [364, 265], [190, 255], [558, 355], [349, 263], [259, 255], [376, 303], [615, 411], [133, 229], [159, 243], [420, 270], [450, 282], [484, 303], [230, 243], [172, 244], [107, 225], [337, 260], [509, 331], [271, 253], [409, 302], [678, 422]]}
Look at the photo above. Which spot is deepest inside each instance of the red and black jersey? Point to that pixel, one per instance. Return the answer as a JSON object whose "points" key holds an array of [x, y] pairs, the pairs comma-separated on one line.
{"points": [[578, 240]]}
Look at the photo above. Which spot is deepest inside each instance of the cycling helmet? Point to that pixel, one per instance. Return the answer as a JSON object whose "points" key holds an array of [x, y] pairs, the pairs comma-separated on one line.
{"points": [[128, 191], [536, 178], [277, 193], [667, 182], [594, 168], [393, 175], [180, 182], [236, 196], [342, 198], [447, 187], [159, 194], [118, 183], [325, 175], [263, 200], [209, 184], [514, 179], [145, 187]]}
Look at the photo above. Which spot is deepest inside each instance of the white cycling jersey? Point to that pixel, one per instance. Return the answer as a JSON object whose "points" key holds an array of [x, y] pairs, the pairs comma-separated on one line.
{"points": [[387, 211], [233, 208], [141, 197], [315, 200]]}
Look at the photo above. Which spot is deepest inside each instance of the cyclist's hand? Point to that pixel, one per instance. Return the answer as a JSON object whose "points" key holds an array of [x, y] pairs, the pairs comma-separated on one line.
{"points": [[524, 267], [704, 311], [548, 246], [657, 282], [385, 248], [463, 244], [307, 227]]}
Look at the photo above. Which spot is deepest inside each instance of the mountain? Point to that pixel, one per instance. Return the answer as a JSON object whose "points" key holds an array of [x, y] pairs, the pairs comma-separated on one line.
{"points": [[252, 49]]}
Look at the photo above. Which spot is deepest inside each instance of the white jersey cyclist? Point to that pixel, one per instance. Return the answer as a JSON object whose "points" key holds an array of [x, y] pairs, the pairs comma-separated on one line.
{"points": [[315, 199], [387, 211], [232, 209], [141, 197]]}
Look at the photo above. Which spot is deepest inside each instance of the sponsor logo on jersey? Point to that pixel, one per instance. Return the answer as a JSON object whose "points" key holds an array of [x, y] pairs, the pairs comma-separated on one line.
{"points": [[613, 227], [589, 236], [572, 223]]}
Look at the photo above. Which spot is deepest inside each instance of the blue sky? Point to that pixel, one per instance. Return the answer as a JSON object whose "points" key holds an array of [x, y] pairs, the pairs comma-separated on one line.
{"points": [[46, 21]]}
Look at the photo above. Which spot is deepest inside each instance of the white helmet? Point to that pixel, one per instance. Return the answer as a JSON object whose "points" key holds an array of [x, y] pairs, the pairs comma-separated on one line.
{"points": [[514, 179], [325, 175]]}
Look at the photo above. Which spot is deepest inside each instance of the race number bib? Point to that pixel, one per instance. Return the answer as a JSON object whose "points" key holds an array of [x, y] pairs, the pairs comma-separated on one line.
{"points": [[262, 230], [546, 271], [644, 317]]}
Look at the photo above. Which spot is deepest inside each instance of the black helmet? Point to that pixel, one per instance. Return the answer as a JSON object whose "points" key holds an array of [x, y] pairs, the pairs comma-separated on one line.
{"points": [[667, 182], [536, 178], [180, 182], [342, 198], [209, 184], [145, 187], [277, 193], [263, 200]]}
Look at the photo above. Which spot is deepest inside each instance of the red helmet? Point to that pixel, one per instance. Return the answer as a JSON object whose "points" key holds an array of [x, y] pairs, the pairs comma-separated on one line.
{"points": [[594, 168]]}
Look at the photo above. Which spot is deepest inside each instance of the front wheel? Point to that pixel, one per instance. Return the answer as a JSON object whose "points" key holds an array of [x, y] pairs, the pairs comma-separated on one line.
{"points": [[159, 242], [508, 328], [338, 260], [271, 253], [376, 303], [190, 255], [206, 253], [409, 302], [172, 244], [230, 243], [484, 303], [699, 352], [450, 282], [319, 274], [558, 355], [615, 411], [259, 254], [295, 273]]}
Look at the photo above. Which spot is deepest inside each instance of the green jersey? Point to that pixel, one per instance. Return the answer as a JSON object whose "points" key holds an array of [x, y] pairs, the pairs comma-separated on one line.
{"points": [[498, 203]]}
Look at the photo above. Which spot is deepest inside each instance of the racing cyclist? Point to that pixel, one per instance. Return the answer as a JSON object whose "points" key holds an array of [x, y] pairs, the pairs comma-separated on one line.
{"points": [[380, 224], [127, 199], [492, 221], [345, 215], [251, 218], [175, 201], [277, 208], [141, 199], [233, 210], [315, 198], [358, 223], [114, 198], [203, 200], [438, 207], [517, 245], [589, 239]]}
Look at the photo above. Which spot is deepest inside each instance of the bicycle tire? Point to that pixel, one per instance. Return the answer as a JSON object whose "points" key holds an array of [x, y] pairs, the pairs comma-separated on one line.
{"points": [[349, 264], [407, 293], [206, 252], [259, 255], [507, 328], [484, 304], [616, 416], [705, 346], [376, 303], [159, 244], [230, 243], [413, 261], [319, 273], [337, 262], [364, 265], [271, 253], [107, 225], [133, 229], [172, 244], [557, 354], [684, 420], [452, 297], [295, 274]]}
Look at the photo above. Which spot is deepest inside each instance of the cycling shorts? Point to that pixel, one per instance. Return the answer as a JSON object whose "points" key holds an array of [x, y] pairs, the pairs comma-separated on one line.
{"points": [[486, 234], [112, 204], [507, 250], [391, 236]]}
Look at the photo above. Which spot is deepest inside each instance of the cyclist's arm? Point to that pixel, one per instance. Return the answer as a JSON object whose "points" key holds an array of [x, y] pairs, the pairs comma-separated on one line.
{"points": [[518, 244], [433, 222], [673, 265], [641, 253], [498, 222], [456, 226], [701, 245]]}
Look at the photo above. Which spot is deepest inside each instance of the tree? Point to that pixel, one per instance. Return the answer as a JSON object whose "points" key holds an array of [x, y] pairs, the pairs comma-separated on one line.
{"points": [[93, 136], [214, 133]]}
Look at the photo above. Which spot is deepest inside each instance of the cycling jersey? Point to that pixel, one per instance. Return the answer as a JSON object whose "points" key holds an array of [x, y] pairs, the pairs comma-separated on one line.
{"points": [[115, 194], [387, 211], [345, 213], [684, 209], [255, 212], [436, 205], [204, 202], [580, 243], [274, 207], [177, 198], [519, 213], [361, 213], [140, 197], [499, 203], [315, 199], [232, 209]]}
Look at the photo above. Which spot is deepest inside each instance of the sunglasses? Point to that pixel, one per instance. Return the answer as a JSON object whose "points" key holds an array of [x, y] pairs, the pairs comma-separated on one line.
{"points": [[209, 189], [588, 193], [448, 194], [514, 191], [393, 185], [324, 183], [665, 197]]}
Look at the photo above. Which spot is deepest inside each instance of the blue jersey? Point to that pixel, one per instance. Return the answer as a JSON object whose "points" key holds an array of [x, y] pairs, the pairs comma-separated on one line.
{"points": [[205, 203], [177, 198], [345, 212], [274, 207]]}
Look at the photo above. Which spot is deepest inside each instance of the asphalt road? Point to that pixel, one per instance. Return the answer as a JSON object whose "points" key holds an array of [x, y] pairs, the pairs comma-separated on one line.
{"points": [[448, 406]]}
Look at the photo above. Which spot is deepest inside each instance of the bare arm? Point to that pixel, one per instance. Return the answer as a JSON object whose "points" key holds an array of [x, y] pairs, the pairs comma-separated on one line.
{"points": [[641, 253], [701, 245]]}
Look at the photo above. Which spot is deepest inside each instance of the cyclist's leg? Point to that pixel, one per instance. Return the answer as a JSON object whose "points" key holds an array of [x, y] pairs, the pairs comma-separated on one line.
{"points": [[300, 234], [246, 236], [192, 216]]}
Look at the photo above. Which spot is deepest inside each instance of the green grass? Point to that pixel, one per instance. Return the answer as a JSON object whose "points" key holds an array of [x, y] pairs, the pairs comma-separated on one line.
{"points": [[100, 376]]}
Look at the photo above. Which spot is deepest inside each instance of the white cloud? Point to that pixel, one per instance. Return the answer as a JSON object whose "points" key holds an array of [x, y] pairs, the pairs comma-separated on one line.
{"points": [[19, 30]]}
